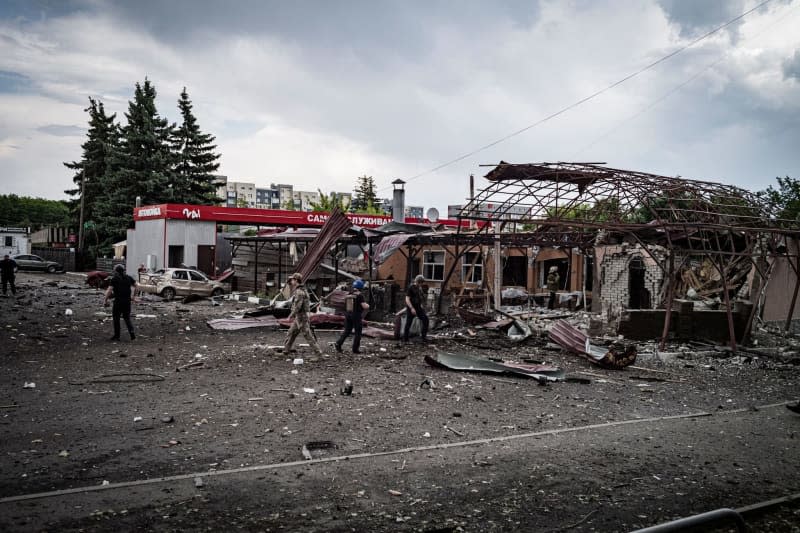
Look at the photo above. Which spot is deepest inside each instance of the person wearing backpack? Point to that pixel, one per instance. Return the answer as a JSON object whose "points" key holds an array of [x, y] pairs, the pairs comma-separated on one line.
{"points": [[354, 307]]}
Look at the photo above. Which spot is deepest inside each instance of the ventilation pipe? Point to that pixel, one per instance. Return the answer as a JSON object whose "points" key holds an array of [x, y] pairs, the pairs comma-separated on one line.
{"points": [[399, 201]]}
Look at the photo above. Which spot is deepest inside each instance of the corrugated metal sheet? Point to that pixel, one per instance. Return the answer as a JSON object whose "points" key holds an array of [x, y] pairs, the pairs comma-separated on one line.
{"points": [[334, 227]]}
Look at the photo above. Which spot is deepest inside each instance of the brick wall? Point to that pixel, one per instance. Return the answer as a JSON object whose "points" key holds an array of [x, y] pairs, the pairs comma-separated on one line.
{"points": [[614, 269]]}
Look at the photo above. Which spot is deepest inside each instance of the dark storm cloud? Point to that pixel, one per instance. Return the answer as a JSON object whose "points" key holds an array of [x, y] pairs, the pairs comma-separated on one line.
{"points": [[697, 17], [791, 67], [393, 24]]}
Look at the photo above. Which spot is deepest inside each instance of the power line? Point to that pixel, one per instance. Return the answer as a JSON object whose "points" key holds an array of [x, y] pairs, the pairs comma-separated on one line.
{"points": [[675, 89], [589, 97]]}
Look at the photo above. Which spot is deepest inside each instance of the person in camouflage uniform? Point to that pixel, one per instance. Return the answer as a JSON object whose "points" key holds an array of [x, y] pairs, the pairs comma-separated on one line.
{"points": [[300, 314]]}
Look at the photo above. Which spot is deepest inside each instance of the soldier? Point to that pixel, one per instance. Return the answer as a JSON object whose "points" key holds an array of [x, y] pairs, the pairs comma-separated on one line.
{"points": [[300, 314], [552, 285], [354, 308]]}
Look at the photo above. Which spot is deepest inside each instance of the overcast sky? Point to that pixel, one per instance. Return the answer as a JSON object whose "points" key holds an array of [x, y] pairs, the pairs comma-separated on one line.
{"points": [[316, 93]]}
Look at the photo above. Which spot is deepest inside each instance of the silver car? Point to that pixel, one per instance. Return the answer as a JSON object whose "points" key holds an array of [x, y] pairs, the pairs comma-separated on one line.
{"points": [[173, 282], [34, 262]]}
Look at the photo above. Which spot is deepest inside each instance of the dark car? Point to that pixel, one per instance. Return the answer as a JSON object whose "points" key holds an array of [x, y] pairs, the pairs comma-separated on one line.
{"points": [[34, 262]]}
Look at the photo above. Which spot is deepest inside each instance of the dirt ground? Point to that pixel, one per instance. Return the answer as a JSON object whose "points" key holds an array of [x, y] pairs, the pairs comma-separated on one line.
{"points": [[187, 428]]}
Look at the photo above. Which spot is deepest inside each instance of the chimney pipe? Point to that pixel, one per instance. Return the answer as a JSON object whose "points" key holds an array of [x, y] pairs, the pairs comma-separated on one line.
{"points": [[399, 201]]}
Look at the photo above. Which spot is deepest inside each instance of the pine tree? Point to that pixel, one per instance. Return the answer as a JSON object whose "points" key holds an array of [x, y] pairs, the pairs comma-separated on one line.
{"points": [[196, 160], [141, 166], [365, 200], [90, 171]]}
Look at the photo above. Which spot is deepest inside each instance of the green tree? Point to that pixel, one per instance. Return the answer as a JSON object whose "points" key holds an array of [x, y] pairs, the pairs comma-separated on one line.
{"points": [[784, 201], [288, 205], [329, 202], [91, 170], [141, 166], [196, 160], [365, 199], [34, 213]]}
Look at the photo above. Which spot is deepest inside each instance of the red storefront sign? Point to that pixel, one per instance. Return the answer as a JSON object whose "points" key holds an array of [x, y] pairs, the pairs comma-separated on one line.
{"points": [[261, 217]]}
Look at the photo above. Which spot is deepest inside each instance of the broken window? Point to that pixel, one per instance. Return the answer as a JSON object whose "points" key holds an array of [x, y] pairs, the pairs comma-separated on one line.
{"points": [[472, 267], [433, 265], [9, 240]]}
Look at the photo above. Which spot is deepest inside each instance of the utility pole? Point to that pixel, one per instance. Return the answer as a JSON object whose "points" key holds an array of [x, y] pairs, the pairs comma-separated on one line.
{"points": [[80, 220]]}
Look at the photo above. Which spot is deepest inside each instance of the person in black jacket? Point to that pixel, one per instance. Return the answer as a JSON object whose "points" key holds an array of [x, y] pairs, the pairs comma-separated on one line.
{"points": [[122, 289], [355, 306], [8, 270], [415, 307]]}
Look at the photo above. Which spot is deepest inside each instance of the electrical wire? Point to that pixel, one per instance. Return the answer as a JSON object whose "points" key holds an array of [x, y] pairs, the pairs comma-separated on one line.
{"points": [[589, 97]]}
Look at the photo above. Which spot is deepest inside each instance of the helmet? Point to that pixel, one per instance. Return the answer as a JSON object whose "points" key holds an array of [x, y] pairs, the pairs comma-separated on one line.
{"points": [[358, 284], [419, 278], [554, 269], [297, 276]]}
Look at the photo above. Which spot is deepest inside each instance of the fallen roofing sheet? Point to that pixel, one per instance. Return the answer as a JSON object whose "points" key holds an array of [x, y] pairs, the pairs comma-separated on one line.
{"points": [[231, 324], [574, 340], [472, 363]]}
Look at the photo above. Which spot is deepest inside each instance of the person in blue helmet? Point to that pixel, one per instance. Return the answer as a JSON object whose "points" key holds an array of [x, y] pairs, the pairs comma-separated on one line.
{"points": [[354, 308]]}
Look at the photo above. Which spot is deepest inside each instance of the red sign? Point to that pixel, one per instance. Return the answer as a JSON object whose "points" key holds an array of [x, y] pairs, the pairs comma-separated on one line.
{"points": [[261, 217]]}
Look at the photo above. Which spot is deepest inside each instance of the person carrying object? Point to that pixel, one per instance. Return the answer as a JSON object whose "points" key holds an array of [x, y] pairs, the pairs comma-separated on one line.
{"points": [[300, 309], [122, 289], [354, 308], [415, 299]]}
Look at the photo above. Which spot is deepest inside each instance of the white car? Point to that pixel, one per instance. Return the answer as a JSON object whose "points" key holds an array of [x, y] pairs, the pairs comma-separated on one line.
{"points": [[173, 282]]}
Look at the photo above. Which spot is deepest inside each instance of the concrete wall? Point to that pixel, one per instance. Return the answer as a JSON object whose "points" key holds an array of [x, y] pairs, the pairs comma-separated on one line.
{"points": [[685, 323], [190, 234], [778, 296], [147, 238]]}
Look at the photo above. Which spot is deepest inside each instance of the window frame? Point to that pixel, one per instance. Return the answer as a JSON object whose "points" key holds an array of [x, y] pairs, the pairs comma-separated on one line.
{"points": [[465, 265], [433, 265]]}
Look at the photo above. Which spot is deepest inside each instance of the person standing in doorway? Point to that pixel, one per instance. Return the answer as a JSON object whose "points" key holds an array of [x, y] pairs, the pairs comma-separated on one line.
{"points": [[300, 309], [415, 299], [8, 271], [354, 307], [553, 280], [122, 289]]}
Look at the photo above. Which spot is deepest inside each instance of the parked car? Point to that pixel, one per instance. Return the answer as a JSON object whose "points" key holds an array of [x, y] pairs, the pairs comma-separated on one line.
{"points": [[173, 282], [34, 262]]}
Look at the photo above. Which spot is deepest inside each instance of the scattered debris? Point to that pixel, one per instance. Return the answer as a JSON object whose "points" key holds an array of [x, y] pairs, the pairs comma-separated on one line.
{"points": [[572, 339], [30, 385], [471, 363]]}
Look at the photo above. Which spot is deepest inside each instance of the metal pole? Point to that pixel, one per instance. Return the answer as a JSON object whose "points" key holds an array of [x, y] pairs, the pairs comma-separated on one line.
{"points": [[794, 294], [279, 283], [670, 296], [335, 264], [80, 219], [255, 273], [728, 310], [498, 268]]}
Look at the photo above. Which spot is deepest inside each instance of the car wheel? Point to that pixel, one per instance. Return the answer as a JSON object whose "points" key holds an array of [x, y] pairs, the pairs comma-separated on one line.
{"points": [[168, 293], [51, 268], [218, 292]]}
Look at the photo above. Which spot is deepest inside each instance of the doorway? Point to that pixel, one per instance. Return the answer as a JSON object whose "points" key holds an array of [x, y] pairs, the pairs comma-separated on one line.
{"points": [[175, 256], [638, 295], [205, 259]]}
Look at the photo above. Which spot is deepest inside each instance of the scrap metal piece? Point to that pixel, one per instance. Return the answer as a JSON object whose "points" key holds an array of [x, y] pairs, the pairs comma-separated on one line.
{"points": [[472, 363], [574, 340]]}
